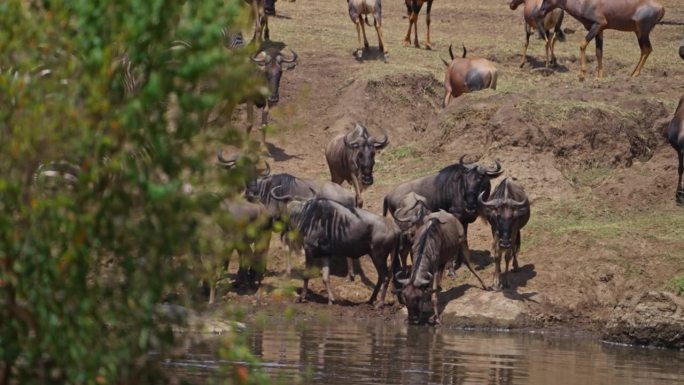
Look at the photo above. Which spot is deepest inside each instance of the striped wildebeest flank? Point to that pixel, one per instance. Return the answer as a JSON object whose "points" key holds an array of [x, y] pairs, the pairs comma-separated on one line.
{"points": [[359, 8], [326, 229], [548, 27], [507, 211], [638, 16], [467, 75], [351, 158], [437, 242], [674, 133], [412, 10]]}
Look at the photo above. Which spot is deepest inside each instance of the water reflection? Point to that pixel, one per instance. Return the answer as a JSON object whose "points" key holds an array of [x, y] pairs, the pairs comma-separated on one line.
{"points": [[349, 352]]}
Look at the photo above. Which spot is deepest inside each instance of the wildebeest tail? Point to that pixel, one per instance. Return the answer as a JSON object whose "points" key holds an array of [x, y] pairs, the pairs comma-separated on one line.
{"points": [[560, 35]]}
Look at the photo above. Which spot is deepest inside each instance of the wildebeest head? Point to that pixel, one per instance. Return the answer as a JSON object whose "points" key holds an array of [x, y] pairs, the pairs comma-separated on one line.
{"points": [[363, 148], [253, 172], [548, 6], [515, 3], [476, 181], [410, 213], [413, 297], [271, 64], [503, 212]]}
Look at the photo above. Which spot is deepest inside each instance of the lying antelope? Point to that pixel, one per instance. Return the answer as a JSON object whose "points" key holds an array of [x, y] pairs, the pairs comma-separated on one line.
{"points": [[413, 9], [467, 75], [638, 16], [549, 27]]}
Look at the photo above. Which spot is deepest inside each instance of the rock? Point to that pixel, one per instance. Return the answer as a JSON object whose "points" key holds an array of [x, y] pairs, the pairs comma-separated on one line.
{"points": [[485, 309], [652, 319], [184, 320]]}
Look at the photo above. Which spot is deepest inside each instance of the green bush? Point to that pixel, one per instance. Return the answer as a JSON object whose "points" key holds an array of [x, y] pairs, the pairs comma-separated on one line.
{"points": [[86, 257]]}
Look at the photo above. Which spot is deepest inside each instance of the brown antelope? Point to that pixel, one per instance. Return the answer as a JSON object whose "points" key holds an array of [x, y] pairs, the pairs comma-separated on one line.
{"points": [[413, 9], [549, 27], [467, 75], [638, 16], [359, 8], [674, 133]]}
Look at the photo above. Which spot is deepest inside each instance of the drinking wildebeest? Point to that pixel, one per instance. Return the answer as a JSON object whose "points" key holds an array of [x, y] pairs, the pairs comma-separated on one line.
{"points": [[507, 211], [359, 8], [413, 9], [409, 217], [327, 229], [638, 16], [351, 158], [674, 133], [467, 75], [271, 62], [437, 242], [549, 27], [454, 188]]}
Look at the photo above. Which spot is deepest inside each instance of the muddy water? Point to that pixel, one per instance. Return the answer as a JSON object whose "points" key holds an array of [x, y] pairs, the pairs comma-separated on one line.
{"points": [[348, 352]]}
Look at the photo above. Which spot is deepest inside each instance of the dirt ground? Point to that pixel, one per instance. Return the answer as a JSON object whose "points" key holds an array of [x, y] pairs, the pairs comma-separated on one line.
{"points": [[601, 179]]}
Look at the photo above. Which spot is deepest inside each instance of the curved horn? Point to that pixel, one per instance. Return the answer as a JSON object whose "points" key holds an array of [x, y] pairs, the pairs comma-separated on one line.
{"points": [[451, 52], [422, 281], [259, 58], [226, 162], [279, 197], [464, 50], [379, 144], [445, 62], [294, 57], [497, 169], [355, 142], [268, 170], [483, 203], [518, 203]]}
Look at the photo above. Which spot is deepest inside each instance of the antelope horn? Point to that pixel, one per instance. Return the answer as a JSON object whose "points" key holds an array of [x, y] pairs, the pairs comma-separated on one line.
{"points": [[284, 60], [279, 197], [464, 50], [445, 62], [483, 203], [451, 52], [497, 169]]}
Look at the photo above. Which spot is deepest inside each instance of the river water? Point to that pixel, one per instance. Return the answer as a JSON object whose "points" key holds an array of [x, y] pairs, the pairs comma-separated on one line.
{"points": [[348, 352]]}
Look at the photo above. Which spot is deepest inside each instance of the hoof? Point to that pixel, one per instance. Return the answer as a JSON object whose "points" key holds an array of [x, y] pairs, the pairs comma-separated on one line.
{"points": [[407, 43], [379, 305], [350, 278], [435, 320], [496, 287]]}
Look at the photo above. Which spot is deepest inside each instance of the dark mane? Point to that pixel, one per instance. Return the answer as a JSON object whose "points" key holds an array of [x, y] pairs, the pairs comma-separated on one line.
{"points": [[431, 228], [448, 184]]}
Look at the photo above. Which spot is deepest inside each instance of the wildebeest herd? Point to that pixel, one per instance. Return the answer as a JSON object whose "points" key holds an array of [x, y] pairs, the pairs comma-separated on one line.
{"points": [[429, 216]]}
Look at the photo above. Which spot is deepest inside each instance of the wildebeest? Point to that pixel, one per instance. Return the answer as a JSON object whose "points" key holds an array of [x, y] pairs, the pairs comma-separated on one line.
{"points": [[507, 211], [359, 8], [327, 229], [454, 188], [674, 133], [271, 62], [248, 227], [638, 16], [437, 242], [260, 18], [549, 27], [467, 75], [351, 158], [413, 9], [409, 217]]}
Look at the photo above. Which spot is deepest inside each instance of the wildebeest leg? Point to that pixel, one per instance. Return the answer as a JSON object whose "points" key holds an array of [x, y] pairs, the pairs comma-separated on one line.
{"points": [[380, 262], [679, 193], [250, 118], [497, 270], [264, 123], [528, 32], [261, 246], [428, 44], [466, 258], [257, 20], [350, 269], [599, 55], [516, 248], [593, 31], [357, 191], [267, 35], [452, 263], [508, 262], [326, 279]]}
